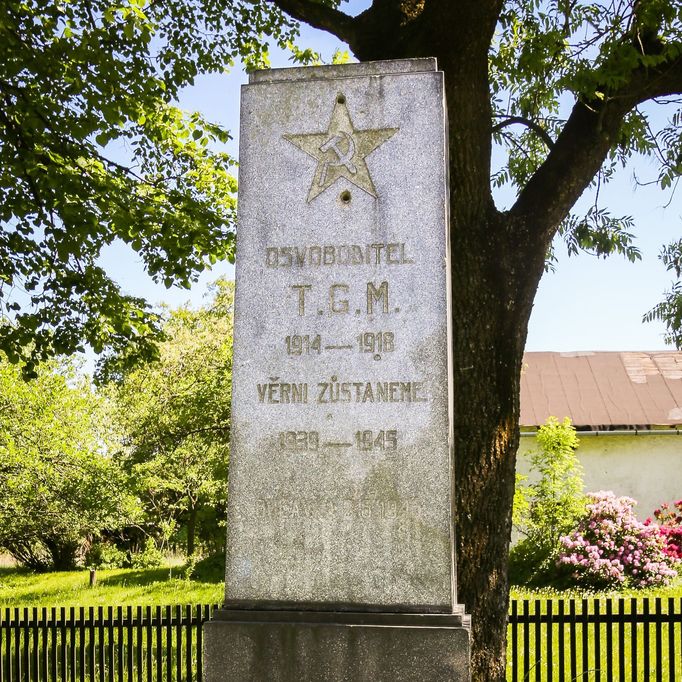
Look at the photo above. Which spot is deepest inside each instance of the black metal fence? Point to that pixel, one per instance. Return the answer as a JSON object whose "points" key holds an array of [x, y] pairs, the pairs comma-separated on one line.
{"points": [[596, 640], [105, 644]]}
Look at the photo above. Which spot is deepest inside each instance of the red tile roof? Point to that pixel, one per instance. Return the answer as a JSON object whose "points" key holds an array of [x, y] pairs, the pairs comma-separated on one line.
{"points": [[603, 390]]}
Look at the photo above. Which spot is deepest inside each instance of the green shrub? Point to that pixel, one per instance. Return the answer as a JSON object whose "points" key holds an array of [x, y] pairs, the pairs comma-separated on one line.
{"points": [[548, 508], [210, 569], [106, 555], [150, 557]]}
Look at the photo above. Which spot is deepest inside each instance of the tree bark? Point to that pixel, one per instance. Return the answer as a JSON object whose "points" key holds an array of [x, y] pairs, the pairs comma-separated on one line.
{"points": [[493, 284]]}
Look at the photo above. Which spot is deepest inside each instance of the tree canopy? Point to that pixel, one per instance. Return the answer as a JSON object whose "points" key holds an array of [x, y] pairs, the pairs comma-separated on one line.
{"points": [[139, 462], [93, 150]]}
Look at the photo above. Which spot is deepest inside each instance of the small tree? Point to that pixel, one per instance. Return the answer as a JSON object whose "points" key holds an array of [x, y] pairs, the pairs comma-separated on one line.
{"points": [[58, 489], [173, 417], [548, 508]]}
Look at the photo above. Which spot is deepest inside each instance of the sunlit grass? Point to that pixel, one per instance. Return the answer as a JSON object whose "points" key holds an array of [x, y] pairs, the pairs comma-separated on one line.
{"points": [[673, 590], [115, 587]]}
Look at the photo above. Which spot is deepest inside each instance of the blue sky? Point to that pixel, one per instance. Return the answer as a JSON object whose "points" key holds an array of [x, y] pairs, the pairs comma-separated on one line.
{"points": [[587, 304]]}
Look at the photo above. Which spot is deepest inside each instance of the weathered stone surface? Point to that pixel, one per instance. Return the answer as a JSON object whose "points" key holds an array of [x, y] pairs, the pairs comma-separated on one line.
{"points": [[330, 651], [380, 68], [340, 474]]}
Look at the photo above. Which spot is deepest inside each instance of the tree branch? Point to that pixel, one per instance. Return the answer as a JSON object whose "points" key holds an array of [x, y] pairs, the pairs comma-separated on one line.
{"points": [[535, 127], [320, 16], [590, 132]]}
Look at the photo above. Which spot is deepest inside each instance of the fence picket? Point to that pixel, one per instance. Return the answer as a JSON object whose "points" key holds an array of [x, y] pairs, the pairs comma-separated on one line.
{"points": [[17, 643], [35, 672], [129, 646], [597, 640], [150, 648], [203, 614], [562, 642], [44, 660], [671, 641], [584, 639], [646, 641], [8, 642], [53, 642], [621, 640], [62, 642], [119, 658], [526, 641], [90, 651], [515, 640], [659, 641], [110, 642], [159, 645], [178, 644], [550, 637], [81, 642], [633, 640], [572, 641], [138, 652], [3, 648], [188, 639], [169, 645]]}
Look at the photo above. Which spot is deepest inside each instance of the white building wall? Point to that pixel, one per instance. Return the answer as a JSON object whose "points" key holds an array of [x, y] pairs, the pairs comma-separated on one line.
{"points": [[645, 467]]}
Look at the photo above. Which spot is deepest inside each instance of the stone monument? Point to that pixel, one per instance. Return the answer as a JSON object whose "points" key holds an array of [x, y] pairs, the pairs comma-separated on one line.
{"points": [[340, 551]]}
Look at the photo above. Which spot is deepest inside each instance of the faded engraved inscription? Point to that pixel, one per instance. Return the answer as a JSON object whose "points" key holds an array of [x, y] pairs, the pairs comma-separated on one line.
{"points": [[375, 343], [369, 440], [317, 255], [375, 298], [278, 392]]}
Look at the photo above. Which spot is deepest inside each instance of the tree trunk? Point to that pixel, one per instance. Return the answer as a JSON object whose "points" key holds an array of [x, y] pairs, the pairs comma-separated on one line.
{"points": [[493, 286], [191, 530], [497, 261]]}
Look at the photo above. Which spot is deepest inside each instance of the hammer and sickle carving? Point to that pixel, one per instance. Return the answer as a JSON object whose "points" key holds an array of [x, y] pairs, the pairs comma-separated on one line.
{"points": [[344, 158]]}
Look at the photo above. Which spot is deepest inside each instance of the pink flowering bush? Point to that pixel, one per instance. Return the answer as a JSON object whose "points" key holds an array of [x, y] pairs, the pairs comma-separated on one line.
{"points": [[611, 548], [670, 521]]}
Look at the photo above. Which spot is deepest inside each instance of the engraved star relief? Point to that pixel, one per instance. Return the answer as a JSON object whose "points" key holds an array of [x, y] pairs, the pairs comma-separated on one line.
{"points": [[341, 150]]}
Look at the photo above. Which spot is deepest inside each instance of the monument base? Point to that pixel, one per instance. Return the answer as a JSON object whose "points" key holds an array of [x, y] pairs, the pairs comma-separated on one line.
{"points": [[311, 646]]}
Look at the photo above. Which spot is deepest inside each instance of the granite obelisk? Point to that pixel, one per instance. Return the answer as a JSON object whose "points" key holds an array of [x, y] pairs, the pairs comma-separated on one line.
{"points": [[340, 552]]}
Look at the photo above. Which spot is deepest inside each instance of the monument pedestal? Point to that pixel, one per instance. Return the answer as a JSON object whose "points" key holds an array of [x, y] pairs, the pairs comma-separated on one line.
{"points": [[314, 646]]}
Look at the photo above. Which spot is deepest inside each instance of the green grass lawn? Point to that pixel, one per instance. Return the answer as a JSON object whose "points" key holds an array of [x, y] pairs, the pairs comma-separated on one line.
{"points": [[114, 587], [673, 590]]}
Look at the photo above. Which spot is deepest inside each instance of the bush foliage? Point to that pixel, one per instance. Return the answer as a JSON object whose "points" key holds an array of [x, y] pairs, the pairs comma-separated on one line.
{"points": [[58, 489], [610, 547], [670, 520], [116, 476]]}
